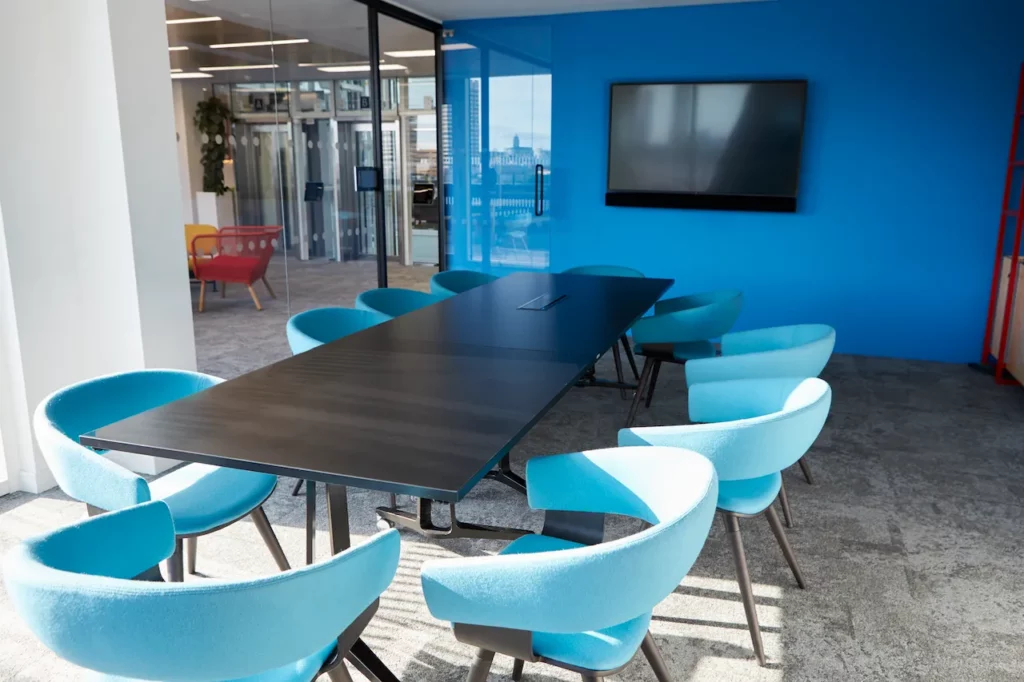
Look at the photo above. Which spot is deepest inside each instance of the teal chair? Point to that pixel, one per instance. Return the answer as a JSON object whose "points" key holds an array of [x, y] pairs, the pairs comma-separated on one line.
{"points": [[754, 428], [681, 329], [564, 597], [395, 302], [306, 331], [453, 282], [202, 498], [611, 271], [799, 350], [74, 589]]}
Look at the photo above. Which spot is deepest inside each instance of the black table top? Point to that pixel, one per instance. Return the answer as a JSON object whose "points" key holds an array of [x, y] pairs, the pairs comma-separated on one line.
{"points": [[425, 404]]}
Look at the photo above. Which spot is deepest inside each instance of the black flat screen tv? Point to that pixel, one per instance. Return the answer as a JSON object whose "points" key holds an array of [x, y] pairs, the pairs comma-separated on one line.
{"points": [[729, 146]]}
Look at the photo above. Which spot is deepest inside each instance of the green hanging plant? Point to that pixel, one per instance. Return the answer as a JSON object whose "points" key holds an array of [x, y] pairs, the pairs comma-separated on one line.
{"points": [[211, 120]]}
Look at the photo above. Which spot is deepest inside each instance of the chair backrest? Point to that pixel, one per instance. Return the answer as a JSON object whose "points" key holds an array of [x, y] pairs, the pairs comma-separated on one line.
{"points": [[194, 230], [65, 415], [316, 327], [73, 589], [598, 586], [754, 427], [453, 282], [800, 350], [696, 317], [254, 244], [394, 301], [604, 271]]}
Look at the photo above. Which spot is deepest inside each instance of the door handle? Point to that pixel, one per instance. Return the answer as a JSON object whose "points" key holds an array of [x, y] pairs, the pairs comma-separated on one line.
{"points": [[538, 190]]}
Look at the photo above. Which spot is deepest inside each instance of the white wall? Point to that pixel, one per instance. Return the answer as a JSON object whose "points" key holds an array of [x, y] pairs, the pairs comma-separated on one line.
{"points": [[92, 216]]}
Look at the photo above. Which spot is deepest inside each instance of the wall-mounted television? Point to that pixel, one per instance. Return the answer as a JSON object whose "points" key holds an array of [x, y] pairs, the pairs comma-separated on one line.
{"points": [[729, 146]]}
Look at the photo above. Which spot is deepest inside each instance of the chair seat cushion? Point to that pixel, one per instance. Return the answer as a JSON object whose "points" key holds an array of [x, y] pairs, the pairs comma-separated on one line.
{"points": [[598, 650], [300, 671], [749, 496], [679, 352], [240, 269], [203, 497]]}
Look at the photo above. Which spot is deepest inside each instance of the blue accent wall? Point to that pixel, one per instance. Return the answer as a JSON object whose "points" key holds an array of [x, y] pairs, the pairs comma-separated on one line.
{"points": [[908, 123]]}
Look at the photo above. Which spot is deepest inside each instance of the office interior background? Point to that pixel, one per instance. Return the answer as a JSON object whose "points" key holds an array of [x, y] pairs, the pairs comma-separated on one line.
{"points": [[383, 143]]}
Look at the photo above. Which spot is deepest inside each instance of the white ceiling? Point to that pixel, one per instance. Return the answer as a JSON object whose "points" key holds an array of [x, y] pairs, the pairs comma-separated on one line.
{"points": [[450, 10]]}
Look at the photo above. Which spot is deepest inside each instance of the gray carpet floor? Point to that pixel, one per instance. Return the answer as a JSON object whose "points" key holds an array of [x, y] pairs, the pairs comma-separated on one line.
{"points": [[910, 540]]}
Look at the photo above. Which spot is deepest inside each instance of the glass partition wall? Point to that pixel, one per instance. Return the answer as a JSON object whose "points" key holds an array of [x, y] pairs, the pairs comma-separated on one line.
{"points": [[314, 120]]}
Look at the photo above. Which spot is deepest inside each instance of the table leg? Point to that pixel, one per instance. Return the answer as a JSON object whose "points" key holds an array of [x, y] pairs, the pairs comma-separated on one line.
{"points": [[421, 523], [504, 474], [360, 655]]}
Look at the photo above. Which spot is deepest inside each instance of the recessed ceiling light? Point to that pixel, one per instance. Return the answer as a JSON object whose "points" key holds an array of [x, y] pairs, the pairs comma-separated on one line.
{"points": [[190, 74], [238, 68], [261, 43], [358, 68], [177, 70], [411, 53], [178, 48], [194, 20], [457, 46]]}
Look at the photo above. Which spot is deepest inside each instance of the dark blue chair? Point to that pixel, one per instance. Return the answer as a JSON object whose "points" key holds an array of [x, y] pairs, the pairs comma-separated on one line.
{"points": [[754, 428], [306, 331], [395, 302], [680, 330], [74, 589], [202, 498], [453, 282], [564, 597]]}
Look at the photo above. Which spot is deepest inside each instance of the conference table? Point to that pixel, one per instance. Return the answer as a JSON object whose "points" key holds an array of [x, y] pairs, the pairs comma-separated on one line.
{"points": [[425, 405]]}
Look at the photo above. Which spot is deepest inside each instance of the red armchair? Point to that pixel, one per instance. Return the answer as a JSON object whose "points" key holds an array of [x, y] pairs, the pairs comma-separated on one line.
{"points": [[235, 254]]}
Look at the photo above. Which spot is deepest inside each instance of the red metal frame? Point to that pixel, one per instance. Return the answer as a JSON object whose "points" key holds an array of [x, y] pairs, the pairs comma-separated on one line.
{"points": [[1012, 164]]}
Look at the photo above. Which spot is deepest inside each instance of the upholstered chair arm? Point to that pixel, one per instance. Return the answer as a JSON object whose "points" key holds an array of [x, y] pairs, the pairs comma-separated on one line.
{"points": [[778, 338]]}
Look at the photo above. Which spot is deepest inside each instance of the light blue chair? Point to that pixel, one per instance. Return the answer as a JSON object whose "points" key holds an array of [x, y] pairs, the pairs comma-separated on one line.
{"points": [[395, 302], [318, 326], [202, 498], [453, 282], [681, 329], [564, 597], [755, 428], [74, 589], [306, 331], [611, 271], [800, 350]]}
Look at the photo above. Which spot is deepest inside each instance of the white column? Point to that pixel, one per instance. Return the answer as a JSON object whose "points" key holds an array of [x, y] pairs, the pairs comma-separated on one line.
{"points": [[96, 275]]}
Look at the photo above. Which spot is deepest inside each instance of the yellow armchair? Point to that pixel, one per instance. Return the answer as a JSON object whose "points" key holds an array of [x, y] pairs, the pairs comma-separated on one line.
{"points": [[191, 232]]}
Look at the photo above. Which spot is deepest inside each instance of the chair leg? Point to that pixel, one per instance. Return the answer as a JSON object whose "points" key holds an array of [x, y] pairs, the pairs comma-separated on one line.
{"points": [[259, 517], [590, 678], [654, 382], [517, 670], [191, 547], [267, 285], [202, 295], [629, 356], [481, 666], [787, 551], [310, 521], [223, 289], [255, 298], [653, 655], [339, 673], [645, 376], [787, 513], [298, 488], [176, 563], [732, 526], [806, 469], [618, 371]]}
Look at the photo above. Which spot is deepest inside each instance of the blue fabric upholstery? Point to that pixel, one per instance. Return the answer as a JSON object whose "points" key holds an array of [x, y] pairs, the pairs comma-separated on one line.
{"points": [[800, 350], [685, 319], [201, 497], [71, 588], [749, 496], [604, 271], [452, 282], [395, 302], [541, 585], [758, 427], [322, 325]]}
